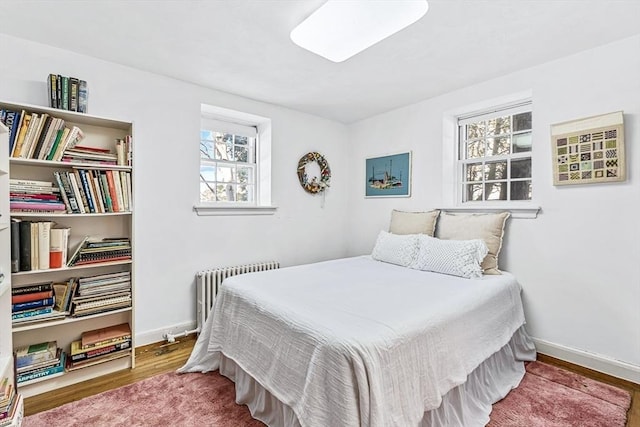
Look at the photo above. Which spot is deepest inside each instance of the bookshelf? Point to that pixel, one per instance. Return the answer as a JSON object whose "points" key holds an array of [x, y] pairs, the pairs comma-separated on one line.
{"points": [[100, 133], [6, 338]]}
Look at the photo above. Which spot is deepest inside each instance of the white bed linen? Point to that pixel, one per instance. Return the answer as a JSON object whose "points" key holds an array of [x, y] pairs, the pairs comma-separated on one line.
{"points": [[358, 342]]}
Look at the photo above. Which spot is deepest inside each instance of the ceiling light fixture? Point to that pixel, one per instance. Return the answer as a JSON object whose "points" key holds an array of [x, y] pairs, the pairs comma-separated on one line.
{"points": [[340, 29]]}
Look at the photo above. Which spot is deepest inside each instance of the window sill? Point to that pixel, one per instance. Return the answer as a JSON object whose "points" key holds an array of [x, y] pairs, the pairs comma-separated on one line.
{"points": [[528, 212], [208, 210]]}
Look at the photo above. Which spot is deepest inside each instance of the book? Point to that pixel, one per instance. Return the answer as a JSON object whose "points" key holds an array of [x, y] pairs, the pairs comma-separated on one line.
{"points": [[35, 250], [90, 338], [40, 365], [72, 366], [45, 302], [15, 246], [65, 93], [48, 372], [35, 353], [32, 296], [76, 252], [44, 243], [53, 90], [17, 148], [11, 121], [52, 315], [63, 291], [78, 353], [25, 246], [83, 97], [31, 287], [31, 313], [73, 94], [58, 243]]}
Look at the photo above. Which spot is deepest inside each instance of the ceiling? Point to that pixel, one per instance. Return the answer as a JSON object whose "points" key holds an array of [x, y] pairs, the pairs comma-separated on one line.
{"points": [[243, 46]]}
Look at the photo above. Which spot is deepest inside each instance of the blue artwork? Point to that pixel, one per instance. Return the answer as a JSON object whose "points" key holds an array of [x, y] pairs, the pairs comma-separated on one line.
{"points": [[389, 176]]}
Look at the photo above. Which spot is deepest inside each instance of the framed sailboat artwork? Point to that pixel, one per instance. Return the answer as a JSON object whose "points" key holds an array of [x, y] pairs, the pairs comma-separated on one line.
{"points": [[388, 176]]}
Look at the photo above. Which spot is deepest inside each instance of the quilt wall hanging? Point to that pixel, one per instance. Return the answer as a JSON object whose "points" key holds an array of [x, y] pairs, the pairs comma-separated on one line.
{"points": [[589, 150]]}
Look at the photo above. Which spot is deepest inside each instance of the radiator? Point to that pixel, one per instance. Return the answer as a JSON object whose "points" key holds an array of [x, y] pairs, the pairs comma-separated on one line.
{"points": [[208, 284]]}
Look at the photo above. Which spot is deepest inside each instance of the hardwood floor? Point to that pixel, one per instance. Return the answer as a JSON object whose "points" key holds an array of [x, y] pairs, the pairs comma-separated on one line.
{"points": [[159, 358]]}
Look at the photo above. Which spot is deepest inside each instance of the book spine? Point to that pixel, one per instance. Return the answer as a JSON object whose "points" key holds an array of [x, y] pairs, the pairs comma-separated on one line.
{"points": [[10, 121], [31, 313], [63, 192], [25, 246], [90, 354], [33, 296], [40, 287], [15, 246], [53, 91], [38, 206], [65, 93], [73, 178], [31, 304], [17, 148], [83, 97], [58, 91], [87, 190], [44, 242]]}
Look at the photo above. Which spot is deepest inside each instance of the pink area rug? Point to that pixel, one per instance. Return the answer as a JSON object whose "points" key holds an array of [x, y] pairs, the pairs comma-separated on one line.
{"points": [[547, 397]]}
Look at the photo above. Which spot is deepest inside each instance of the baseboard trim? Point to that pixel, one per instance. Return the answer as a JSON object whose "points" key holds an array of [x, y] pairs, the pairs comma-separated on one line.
{"points": [[158, 335], [596, 362]]}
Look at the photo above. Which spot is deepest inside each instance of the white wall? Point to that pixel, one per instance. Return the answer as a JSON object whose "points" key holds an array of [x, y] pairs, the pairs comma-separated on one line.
{"points": [[172, 243], [579, 260]]}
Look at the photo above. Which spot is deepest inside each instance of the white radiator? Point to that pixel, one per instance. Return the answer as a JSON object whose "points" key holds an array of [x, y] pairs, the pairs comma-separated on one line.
{"points": [[208, 283]]}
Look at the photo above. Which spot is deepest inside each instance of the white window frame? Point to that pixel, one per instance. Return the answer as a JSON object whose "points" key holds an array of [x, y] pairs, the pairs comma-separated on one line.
{"points": [[236, 122], [452, 188]]}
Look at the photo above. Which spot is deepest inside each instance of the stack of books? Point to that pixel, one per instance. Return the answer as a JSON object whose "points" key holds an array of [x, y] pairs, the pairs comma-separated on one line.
{"points": [[33, 302], [37, 245], [80, 154], [108, 249], [35, 196], [95, 191], [38, 136], [67, 93], [105, 292], [9, 402], [100, 345], [40, 361]]}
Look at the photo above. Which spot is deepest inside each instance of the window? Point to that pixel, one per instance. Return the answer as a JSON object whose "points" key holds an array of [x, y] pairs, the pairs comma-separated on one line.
{"points": [[227, 162], [494, 155], [235, 163]]}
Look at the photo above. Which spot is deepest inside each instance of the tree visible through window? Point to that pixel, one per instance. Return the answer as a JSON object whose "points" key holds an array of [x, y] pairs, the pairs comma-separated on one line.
{"points": [[227, 167], [495, 155]]}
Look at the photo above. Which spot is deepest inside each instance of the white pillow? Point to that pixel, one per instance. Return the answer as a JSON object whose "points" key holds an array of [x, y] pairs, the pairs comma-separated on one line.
{"points": [[395, 249], [456, 257]]}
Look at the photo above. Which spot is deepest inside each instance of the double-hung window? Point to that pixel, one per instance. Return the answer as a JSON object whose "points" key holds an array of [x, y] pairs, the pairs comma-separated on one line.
{"points": [[494, 155], [228, 162]]}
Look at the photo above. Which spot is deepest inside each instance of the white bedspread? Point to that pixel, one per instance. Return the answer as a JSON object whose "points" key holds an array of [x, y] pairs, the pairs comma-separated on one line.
{"points": [[358, 342]]}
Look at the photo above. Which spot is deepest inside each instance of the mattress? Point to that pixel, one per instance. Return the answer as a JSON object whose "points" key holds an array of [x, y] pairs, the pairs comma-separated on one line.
{"points": [[358, 342]]}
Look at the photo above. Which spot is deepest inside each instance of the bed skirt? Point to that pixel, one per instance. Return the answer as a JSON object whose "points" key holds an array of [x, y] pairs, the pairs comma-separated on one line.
{"points": [[466, 405]]}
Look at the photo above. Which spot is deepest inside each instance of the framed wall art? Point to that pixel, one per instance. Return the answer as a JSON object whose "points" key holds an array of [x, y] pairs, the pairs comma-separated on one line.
{"points": [[388, 176], [589, 150]]}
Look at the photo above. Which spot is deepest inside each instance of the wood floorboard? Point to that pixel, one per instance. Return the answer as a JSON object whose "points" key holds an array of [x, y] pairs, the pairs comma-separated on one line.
{"points": [[158, 358]]}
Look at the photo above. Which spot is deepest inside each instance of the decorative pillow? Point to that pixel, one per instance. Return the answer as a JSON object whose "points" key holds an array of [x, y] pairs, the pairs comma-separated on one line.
{"points": [[413, 222], [395, 249], [456, 257], [488, 227]]}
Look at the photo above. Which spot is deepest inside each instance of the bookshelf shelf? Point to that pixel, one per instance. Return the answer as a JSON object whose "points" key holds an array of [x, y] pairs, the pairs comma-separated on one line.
{"points": [[66, 320], [64, 215], [88, 187], [78, 267], [65, 165]]}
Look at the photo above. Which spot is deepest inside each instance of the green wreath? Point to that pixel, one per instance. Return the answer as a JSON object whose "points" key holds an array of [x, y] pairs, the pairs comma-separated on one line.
{"points": [[314, 186]]}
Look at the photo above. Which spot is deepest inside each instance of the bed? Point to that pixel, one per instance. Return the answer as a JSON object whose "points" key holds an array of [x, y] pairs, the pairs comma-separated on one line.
{"points": [[360, 342]]}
